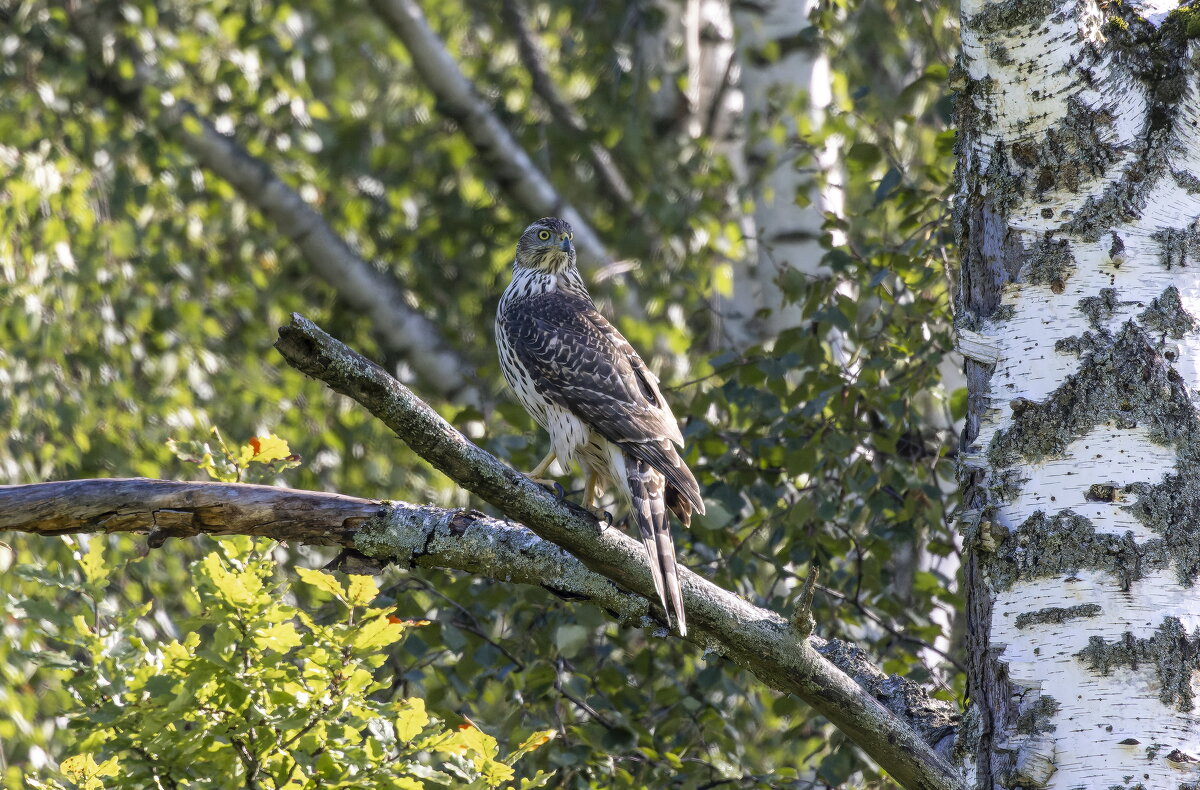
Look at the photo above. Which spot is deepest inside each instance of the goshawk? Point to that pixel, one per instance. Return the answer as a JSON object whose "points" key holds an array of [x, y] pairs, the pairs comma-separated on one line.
{"points": [[582, 381]]}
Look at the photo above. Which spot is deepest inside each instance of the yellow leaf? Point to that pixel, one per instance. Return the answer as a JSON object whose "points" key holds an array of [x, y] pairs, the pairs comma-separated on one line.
{"points": [[471, 739], [377, 633], [266, 449], [85, 772], [239, 588], [480, 747], [539, 738], [78, 766], [362, 590], [411, 719], [92, 564], [317, 110], [322, 581], [81, 624], [495, 773], [109, 767], [540, 779], [404, 783]]}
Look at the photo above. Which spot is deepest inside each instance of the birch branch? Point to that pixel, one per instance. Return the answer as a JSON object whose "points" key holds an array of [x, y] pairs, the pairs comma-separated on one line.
{"points": [[534, 60], [755, 638], [402, 330], [426, 537], [507, 162]]}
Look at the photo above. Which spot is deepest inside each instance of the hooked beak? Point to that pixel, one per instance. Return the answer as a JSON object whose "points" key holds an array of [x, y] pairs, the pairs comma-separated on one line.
{"points": [[566, 245]]}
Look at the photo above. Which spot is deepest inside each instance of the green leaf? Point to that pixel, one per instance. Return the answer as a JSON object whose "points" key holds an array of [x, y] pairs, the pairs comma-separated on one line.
{"points": [[890, 181], [570, 638]]}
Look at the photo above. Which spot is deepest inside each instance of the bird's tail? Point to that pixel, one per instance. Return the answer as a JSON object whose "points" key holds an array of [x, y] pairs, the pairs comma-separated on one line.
{"points": [[647, 488]]}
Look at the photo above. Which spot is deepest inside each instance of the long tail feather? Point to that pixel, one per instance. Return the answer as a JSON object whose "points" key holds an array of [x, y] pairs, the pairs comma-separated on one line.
{"points": [[647, 488], [650, 542], [670, 571]]}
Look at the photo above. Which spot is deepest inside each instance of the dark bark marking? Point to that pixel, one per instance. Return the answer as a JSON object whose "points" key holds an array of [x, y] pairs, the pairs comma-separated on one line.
{"points": [[1171, 650]]}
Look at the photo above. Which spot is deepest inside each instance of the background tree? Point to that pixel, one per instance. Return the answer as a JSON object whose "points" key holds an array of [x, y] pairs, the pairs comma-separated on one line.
{"points": [[179, 177]]}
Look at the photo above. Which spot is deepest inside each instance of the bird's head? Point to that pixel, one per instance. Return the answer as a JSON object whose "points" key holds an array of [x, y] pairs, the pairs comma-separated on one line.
{"points": [[546, 246]]}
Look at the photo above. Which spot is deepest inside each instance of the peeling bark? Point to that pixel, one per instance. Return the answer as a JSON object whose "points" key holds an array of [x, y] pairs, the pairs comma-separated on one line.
{"points": [[1077, 209]]}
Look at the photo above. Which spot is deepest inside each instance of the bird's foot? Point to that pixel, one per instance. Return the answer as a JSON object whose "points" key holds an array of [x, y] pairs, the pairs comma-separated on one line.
{"points": [[603, 516], [554, 486]]}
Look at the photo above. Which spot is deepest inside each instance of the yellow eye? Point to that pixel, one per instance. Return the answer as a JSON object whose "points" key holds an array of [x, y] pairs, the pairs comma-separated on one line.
{"points": [[543, 234]]}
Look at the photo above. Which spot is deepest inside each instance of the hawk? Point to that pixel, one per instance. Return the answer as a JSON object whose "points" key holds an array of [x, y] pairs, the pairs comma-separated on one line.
{"points": [[582, 381]]}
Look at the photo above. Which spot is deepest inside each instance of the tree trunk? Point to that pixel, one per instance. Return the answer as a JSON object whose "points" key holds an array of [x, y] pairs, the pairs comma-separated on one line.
{"points": [[1079, 190], [785, 85]]}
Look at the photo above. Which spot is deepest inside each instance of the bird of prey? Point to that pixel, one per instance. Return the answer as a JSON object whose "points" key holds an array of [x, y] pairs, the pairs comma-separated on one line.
{"points": [[582, 381]]}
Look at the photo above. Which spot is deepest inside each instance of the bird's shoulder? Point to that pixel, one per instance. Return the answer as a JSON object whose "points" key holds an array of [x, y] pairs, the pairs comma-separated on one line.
{"points": [[572, 324], [550, 306]]}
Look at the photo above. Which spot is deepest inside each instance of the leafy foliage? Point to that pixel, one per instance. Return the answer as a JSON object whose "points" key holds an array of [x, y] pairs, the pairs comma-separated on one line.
{"points": [[257, 693], [230, 465], [140, 297]]}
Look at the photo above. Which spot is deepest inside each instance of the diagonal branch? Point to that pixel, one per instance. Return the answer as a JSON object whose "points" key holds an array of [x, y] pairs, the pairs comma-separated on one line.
{"points": [[534, 59], [755, 638], [427, 537], [401, 329], [508, 163]]}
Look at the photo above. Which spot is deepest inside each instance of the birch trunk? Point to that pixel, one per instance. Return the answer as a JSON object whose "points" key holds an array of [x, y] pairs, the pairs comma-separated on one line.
{"points": [[1079, 192], [779, 69]]}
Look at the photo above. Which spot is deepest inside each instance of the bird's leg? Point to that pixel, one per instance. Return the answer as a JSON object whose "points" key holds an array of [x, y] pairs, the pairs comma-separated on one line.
{"points": [[589, 489], [536, 475], [540, 469], [590, 495]]}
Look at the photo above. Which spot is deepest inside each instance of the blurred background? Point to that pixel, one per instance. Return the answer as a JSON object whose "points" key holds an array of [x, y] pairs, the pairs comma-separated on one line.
{"points": [[760, 197]]}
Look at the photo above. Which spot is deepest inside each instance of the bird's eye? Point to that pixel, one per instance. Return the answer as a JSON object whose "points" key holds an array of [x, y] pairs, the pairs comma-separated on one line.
{"points": [[543, 234]]}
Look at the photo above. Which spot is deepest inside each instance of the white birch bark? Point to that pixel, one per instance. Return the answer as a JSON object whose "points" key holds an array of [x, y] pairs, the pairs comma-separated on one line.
{"points": [[1079, 187], [777, 68]]}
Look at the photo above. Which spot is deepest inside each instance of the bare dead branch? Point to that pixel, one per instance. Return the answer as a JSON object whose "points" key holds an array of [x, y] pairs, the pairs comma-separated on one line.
{"points": [[182, 510], [408, 535], [755, 638]]}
